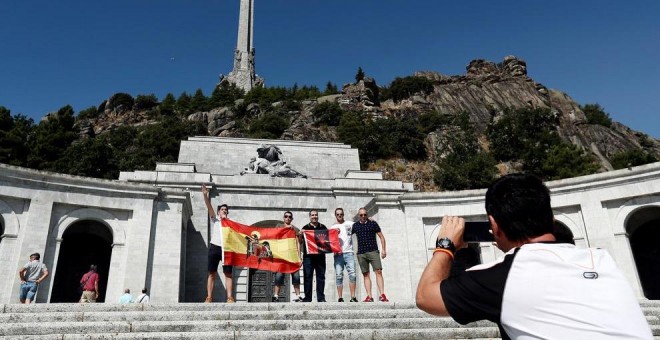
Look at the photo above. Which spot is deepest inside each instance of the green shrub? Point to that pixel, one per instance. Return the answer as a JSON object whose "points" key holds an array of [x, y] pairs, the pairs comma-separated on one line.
{"points": [[270, 126], [327, 113], [120, 100], [403, 88], [627, 159], [88, 113], [596, 115], [145, 102], [566, 161]]}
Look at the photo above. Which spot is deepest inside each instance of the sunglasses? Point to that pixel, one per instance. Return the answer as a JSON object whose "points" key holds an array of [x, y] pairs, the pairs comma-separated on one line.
{"points": [[363, 215], [339, 214], [288, 216]]}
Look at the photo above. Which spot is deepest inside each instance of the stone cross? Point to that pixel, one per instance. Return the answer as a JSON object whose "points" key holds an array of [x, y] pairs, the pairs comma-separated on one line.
{"points": [[243, 75]]}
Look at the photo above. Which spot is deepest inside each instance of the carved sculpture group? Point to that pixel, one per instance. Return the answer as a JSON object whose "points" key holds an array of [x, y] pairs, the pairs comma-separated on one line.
{"points": [[269, 162]]}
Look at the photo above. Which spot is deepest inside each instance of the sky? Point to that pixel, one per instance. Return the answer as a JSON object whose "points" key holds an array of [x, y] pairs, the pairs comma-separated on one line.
{"points": [[54, 53]]}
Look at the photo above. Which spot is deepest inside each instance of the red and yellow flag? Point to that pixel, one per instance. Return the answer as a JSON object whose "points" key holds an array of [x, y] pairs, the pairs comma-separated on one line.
{"points": [[322, 241], [272, 249]]}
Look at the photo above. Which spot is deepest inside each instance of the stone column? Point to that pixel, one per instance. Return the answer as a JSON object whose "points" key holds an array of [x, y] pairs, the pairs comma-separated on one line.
{"points": [[31, 239]]}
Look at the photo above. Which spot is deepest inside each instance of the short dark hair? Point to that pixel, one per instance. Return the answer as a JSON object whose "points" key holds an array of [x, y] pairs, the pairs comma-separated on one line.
{"points": [[92, 267], [144, 290], [36, 256], [223, 205], [520, 204], [563, 234], [313, 210], [342, 210], [288, 212]]}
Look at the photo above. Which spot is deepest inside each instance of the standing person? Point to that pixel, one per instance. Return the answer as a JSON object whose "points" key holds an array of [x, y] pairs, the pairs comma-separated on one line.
{"points": [[295, 276], [90, 285], [346, 258], [215, 250], [31, 276], [541, 288], [366, 231], [127, 297], [143, 298], [314, 263]]}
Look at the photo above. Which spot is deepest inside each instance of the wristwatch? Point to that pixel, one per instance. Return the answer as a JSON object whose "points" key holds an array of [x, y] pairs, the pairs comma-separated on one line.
{"points": [[445, 243]]}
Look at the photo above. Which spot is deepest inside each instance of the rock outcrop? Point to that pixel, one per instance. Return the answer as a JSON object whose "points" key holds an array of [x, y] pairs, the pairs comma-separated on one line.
{"points": [[485, 91]]}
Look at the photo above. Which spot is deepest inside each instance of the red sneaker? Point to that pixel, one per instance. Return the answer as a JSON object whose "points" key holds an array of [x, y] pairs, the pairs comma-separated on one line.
{"points": [[368, 299], [382, 298]]}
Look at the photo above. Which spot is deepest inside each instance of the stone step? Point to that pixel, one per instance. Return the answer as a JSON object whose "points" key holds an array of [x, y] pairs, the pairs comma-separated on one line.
{"points": [[652, 316], [228, 325], [103, 307], [380, 334], [211, 315]]}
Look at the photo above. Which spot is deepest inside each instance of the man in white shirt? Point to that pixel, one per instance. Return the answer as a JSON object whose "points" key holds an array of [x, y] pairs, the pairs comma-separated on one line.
{"points": [[541, 288], [215, 250], [142, 298], [346, 259]]}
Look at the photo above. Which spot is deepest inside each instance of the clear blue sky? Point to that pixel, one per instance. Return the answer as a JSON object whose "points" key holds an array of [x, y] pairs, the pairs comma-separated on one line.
{"points": [[54, 53]]}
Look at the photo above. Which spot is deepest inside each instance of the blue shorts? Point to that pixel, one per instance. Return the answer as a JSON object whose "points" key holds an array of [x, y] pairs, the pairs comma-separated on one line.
{"points": [[28, 290]]}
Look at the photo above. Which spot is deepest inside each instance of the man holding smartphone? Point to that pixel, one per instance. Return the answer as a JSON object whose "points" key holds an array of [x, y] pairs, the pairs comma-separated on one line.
{"points": [[541, 288]]}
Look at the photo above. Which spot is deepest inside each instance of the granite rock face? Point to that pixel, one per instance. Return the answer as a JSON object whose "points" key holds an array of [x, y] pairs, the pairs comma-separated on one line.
{"points": [[486, 90]]}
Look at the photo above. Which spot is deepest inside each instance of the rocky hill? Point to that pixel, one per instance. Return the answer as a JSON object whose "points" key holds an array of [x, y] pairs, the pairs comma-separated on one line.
{"points": [[485, 91]]}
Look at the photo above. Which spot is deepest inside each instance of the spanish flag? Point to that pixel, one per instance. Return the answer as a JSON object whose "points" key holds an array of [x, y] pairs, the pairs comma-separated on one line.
{"points": [[272, 249]]}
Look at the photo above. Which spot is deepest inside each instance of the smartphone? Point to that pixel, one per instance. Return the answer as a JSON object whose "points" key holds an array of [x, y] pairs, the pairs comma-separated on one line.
{"points": [[478, 231]]}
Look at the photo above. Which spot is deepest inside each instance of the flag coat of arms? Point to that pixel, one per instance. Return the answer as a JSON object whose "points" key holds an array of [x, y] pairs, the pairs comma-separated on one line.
{"points": [[272, 249], [322, 241]]}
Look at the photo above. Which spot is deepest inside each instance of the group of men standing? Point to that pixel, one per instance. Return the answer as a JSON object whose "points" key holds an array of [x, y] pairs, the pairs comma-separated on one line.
{"points": [[368, 256]]}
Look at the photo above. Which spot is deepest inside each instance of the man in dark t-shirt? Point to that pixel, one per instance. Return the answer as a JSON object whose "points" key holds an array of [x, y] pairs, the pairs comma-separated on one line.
{"points": [[368, 253]]}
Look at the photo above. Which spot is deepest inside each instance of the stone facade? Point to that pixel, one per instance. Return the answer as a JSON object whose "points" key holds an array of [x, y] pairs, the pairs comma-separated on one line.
{"points": [[147, 225], [160, 226]]}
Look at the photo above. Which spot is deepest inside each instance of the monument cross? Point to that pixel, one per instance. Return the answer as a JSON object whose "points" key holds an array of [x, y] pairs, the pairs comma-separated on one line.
{"points": [[243, 75]]}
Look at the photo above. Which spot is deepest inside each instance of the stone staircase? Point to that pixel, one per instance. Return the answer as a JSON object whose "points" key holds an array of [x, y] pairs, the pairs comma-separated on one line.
{"points": [[252, 321]]}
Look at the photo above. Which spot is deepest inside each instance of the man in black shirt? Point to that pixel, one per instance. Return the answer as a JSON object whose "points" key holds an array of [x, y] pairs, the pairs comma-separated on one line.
{"points": [[314, 263]]}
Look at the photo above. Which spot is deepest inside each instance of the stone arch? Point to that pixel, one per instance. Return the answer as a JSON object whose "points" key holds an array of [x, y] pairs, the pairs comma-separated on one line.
{"points": [[627, 209], [643, 227], [104, 217], [10, 223], [85, 242]]}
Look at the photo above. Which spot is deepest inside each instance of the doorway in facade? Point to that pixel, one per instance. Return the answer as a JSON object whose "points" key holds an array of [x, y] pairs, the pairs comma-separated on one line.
{"points": [[84, 243], [643, 226], [260, 282]]}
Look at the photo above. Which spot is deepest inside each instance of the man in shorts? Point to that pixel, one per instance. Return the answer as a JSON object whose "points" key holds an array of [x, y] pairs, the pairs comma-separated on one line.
{"points": [[31, 275], [345, 259], [368, 254], [215, 250], [295, 276]]}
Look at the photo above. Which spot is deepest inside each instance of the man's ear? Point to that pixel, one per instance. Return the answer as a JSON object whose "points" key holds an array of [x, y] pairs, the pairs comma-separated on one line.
{"points": [[497, 232]]}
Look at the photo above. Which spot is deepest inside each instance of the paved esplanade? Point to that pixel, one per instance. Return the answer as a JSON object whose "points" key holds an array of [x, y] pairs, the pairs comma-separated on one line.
{"points": [[244, 75]]}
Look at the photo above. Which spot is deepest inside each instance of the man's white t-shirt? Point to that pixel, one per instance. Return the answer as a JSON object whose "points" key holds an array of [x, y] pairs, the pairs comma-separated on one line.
{"points": [[345, 238], [216, 232], [143, 298]]}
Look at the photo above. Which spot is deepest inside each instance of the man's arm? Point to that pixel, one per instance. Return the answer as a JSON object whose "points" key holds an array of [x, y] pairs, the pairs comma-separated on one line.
{"points": [[383, 253], [428, 297], [96, 286], [21, 274], [207, 201], [43, 276]]}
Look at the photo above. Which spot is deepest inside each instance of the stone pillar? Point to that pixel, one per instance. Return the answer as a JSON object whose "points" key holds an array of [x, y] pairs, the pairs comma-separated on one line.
{"points": [[32, 239], [166, 264]]}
